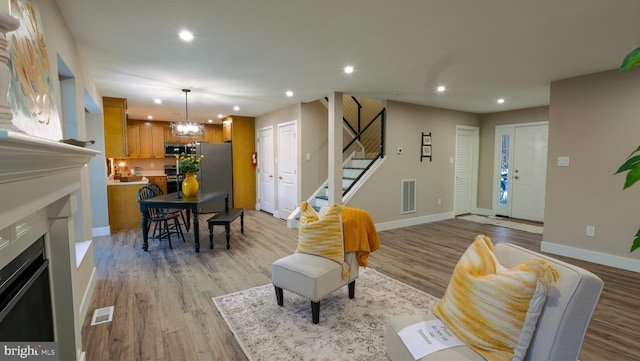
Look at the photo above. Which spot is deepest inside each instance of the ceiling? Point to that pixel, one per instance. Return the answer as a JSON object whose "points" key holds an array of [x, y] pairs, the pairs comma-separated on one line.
{"points": [[249, 53]]}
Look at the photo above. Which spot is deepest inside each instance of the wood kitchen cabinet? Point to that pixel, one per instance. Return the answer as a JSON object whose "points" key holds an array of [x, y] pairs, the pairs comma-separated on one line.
{"points": [[226, 130], [124, 210], [151, 142], [133, 141], [145, 140], [114, 127], [160, 180], [212, 134]]}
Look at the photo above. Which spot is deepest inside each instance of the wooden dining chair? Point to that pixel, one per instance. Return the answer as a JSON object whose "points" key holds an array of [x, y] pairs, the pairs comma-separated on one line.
{"points": [[160, 217], [158, 191]]}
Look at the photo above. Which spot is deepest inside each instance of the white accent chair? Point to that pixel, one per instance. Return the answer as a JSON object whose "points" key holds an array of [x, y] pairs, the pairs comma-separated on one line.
{"points": [[561, 327], [312, 277]]}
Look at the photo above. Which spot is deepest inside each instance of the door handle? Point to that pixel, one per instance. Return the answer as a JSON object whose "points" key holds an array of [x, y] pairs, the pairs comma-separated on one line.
{"points": [[279, 177], [516, 177]]}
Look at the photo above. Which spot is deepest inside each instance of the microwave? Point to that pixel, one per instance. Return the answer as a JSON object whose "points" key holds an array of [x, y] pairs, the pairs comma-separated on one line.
{"points": [[173, 149]]}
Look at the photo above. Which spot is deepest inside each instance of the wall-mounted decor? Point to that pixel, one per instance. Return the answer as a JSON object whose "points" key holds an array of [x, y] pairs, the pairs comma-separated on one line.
{"points": [[31, 94], [425, 151]]}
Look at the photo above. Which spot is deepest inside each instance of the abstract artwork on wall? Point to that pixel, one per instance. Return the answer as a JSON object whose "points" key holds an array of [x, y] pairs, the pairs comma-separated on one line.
{"points": [[31, 94]]}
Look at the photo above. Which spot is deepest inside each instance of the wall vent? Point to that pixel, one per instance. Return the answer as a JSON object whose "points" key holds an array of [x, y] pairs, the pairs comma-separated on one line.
{"points": [[408, 196]]}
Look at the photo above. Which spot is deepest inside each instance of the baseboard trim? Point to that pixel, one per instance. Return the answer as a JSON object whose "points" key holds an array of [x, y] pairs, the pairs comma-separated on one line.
{"points": [[101, 231], [86, 298], [592, 256], [384, 226]]}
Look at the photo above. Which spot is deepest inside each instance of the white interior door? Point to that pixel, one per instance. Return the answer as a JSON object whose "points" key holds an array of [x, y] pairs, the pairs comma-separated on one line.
{"points": [[287, 177], [466, 164], [529, 172], [266, 184]]}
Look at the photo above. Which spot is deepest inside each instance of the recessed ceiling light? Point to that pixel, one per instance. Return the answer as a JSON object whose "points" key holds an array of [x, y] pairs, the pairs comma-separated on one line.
{"points": [[441, 88], [348, 69], [186, 35], [149, 116], [289, 93], [220, 116], [236, 108], [210, 120], [157, 101], [500, 101]]}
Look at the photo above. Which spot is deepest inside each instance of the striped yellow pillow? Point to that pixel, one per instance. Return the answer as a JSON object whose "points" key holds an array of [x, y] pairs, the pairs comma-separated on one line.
{"points": [[322, 237], [492, 309]]}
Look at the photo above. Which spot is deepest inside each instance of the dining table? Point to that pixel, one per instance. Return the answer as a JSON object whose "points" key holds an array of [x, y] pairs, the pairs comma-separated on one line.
{"points": [[177, 200]]}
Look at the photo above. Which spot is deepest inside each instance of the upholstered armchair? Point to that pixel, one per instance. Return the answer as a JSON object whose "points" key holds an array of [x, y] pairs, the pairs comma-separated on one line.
{"points": [[332, 245], [312, 277], [560, 328]]}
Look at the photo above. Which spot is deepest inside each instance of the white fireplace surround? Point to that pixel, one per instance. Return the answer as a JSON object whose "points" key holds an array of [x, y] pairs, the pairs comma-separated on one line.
{"points": [[39, 181]]}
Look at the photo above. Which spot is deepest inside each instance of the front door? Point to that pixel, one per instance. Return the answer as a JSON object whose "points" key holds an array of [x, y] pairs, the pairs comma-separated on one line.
{"points": [[530, 172], [266, 185], [287, 174]]}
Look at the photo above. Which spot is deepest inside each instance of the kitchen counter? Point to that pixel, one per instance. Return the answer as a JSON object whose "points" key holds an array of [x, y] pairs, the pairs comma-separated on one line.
{"points": [[115, 183], [112, 182]]}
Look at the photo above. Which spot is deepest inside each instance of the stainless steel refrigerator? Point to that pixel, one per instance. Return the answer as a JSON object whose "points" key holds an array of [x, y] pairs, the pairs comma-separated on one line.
{"points": [[216, 173]]}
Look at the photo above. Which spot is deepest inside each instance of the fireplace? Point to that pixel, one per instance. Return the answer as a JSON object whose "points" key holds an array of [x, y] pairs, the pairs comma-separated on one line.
{"points": [[26, 312], [39, 225]]}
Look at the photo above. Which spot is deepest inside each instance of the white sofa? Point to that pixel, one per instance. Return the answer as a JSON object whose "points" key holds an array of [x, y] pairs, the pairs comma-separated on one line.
{"points": [[561, 326]]}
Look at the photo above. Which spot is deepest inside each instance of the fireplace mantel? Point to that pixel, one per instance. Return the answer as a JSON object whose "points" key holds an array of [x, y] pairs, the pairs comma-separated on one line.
{"points": [[39, 184], [25, 157]]}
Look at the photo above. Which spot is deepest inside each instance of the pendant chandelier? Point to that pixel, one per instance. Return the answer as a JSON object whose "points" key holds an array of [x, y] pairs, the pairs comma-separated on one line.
{"points": [[186, 128]]}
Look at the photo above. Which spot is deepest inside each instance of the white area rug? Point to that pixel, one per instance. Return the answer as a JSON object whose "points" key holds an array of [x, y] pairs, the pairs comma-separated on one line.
{"points": [[349, 329], [503, 223]]}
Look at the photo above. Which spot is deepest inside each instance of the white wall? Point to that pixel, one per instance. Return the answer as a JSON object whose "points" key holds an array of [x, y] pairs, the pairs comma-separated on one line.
{"points": [[595, 121], [61, 44], [381, 194]]}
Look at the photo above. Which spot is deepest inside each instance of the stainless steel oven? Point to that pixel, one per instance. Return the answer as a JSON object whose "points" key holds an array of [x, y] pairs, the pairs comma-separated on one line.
{"points": [[172, 178]]}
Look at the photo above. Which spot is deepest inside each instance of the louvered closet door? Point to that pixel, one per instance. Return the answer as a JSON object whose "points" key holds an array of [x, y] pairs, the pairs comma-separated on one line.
{"points": [[465, 145]]}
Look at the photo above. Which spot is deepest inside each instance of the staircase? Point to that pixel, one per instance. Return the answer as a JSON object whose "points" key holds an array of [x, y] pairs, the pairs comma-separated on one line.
{"points": [[352, 170], [363, 151]]}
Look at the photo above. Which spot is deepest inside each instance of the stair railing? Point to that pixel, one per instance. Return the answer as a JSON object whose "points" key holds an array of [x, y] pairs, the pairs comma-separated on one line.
{"points": [[375, 129]]}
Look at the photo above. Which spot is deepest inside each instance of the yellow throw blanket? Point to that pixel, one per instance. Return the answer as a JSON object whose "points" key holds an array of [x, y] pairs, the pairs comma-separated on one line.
{"points": [[359, 233]]}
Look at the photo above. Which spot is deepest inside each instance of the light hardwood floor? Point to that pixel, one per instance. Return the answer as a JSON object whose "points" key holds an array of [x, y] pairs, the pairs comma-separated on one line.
{"points": [[164, 311]]}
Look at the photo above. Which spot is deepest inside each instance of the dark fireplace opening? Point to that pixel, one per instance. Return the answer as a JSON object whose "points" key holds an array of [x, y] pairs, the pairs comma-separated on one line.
{"points": [[26, 312]]}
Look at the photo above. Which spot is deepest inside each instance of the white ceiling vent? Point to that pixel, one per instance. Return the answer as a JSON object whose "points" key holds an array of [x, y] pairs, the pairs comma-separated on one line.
{"points": [[102, 315], [408, 196]]}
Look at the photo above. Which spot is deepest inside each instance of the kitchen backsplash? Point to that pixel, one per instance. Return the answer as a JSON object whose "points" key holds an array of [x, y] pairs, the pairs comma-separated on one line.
{"points": [[149, 166]]}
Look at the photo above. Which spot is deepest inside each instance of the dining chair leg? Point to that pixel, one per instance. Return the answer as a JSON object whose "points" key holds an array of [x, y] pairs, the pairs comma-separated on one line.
{"points": [[166, 227], [179, 229]]}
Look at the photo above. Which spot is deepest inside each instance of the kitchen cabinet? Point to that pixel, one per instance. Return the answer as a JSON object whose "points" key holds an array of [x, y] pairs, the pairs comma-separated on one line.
{"points": [[212, 134], [114, 127], [226, 130], [145, 140], [244, 173], [151, 142], [124, 210], [160, 180], [170, 138], [133, 141]]}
